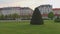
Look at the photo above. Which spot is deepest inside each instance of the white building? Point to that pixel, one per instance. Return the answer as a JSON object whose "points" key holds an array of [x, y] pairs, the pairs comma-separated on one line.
{"points": [[18, 10], [45, 9], [10, 10], [26, 11], [22, 11]]}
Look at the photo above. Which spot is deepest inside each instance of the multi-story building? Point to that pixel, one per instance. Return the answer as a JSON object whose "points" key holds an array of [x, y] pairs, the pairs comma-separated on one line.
{"points": [[22, 11], [18, 10], [56, 11], [26, 11], [45, 9], [10, 10]]}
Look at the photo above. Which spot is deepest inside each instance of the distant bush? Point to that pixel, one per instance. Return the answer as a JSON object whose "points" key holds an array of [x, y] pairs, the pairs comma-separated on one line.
{"points": [[51, 15], [57, 19]]}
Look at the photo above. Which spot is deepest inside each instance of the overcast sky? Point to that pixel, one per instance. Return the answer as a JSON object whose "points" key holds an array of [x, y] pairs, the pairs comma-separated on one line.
{"points": [[29, 3]]}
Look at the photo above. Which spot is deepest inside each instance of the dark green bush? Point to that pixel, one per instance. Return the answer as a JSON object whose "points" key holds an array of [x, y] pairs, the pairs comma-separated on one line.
{"points": [[57, 19]]}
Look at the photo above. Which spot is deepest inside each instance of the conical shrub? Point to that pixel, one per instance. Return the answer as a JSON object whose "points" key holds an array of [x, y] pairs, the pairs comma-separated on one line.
{"points": [[36, 18]]}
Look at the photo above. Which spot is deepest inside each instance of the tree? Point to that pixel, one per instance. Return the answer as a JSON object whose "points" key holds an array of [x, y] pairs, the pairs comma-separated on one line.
{"points": [[15, 16], [10, 16], [36, 18], [51, 15], [28, 16], [1, 16], [6, 16]]}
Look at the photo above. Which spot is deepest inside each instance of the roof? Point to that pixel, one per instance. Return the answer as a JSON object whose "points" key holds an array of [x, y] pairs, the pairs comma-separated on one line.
{"points": [[46, 5], [8, 8], [57, 14], [56, 8], [25, 8]]}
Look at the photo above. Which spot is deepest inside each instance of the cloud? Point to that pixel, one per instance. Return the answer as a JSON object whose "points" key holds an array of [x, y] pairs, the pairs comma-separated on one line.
{"points": [[28, 3]]}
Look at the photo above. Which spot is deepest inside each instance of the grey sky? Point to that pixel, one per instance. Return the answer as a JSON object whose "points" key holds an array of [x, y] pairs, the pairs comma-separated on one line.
{"points": [[29, 3]]}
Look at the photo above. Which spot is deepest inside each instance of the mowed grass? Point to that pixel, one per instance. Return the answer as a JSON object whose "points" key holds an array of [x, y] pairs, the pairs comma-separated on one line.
{"points": [[24, 27]]}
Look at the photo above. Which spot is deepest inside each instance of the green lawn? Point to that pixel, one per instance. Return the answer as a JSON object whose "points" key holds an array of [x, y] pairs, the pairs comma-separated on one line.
{"points": [[24, 27]]}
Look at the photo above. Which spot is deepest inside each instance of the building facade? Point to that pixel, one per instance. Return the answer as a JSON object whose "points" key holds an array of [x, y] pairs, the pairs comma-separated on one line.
{"points": [[26, 11], [18, 10], [45, 9], [10, 10], [56, 11]]}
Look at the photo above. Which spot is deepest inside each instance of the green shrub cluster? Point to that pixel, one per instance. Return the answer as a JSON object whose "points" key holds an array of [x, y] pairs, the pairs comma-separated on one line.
{"points": [[57, 19], [10, 16]]}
